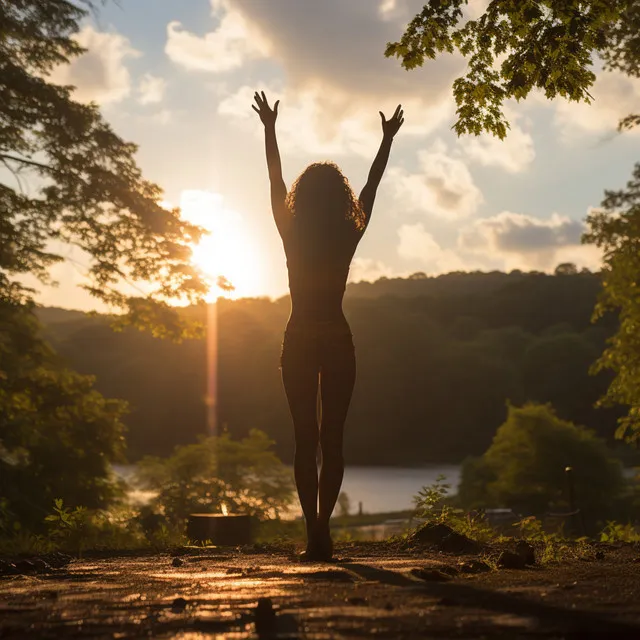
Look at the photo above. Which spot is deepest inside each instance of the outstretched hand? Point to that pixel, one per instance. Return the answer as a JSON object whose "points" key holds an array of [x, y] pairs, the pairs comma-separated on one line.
{"points": [[390, 127], [267, 114]]}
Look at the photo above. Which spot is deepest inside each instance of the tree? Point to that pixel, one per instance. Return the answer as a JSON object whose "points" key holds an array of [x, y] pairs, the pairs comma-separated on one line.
{"points": [[524, 468], [616, 230], [58, 435], [241, 476], [90, 192], [516, 46]]}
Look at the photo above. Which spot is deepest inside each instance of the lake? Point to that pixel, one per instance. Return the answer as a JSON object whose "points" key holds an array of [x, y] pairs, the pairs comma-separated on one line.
{"points": [[384, 489], [379, 489]]}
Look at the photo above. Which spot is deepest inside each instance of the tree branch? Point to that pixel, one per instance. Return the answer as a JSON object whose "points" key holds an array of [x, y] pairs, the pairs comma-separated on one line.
{"points": [[31, 163]]}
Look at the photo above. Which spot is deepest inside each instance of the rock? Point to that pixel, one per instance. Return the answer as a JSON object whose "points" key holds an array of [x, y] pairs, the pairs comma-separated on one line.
{"points": [[179, 605], [526, 552], [474, 567], [177, 562], [265, 617], [599, 555], [41, 566], [25, 566], [444, 538], [430, 575], [511, 560]]}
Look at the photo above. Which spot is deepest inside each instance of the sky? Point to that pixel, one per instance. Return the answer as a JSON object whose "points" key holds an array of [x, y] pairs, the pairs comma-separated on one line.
{"points": [[177, 78]]}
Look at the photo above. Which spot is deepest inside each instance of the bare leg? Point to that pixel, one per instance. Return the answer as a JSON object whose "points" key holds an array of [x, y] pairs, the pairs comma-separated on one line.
{"points": [[301, 386], [337, 382]]}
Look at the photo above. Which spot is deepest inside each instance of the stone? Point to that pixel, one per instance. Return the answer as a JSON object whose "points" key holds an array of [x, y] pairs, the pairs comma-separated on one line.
{"points": [[444, 538], [430, 575], [511, 560], [599, 555], [265, 617], [179, 604], [177, 562], [25, 566], [474, 567], [526, 552]]}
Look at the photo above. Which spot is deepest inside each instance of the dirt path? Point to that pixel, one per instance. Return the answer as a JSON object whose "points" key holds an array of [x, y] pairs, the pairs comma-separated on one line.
{"points": [[215, 594]]}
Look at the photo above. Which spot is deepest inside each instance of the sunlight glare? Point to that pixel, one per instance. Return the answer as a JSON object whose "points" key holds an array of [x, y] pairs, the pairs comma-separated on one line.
{"points": [[229, 251]]}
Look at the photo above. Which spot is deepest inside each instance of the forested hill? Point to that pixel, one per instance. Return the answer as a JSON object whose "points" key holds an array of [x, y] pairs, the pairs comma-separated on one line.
{"points": [[438, 360]]}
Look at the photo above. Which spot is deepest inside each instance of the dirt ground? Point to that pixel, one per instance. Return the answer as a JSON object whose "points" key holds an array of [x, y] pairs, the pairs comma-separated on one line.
{"points": [[371, 591]]}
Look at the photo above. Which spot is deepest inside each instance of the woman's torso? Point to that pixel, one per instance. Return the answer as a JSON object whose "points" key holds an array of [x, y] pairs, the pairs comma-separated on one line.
{"points": [[318, 266]]}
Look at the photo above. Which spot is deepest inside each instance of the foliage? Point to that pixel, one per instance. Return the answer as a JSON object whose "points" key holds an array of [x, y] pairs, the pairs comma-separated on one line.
{"points": [[524, 468], [517, 46], [431, 503], [243, 476], [618, 532], [551, 547], [58, 434], [87, 189], [616, 230]]}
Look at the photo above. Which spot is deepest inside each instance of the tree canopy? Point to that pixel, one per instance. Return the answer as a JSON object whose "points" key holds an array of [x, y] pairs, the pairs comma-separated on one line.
{"points": [[517, 46], [524, 468], [85, 188]]}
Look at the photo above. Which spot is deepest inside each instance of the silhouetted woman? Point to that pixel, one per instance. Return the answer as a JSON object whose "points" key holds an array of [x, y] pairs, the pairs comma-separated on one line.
{"points": [[320, 222]]}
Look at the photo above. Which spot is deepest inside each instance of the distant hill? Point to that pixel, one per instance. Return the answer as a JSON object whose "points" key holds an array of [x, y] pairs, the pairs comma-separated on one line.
{"points": [[438, 359]]}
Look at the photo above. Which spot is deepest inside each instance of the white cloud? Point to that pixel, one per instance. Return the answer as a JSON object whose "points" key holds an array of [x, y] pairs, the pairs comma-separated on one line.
{"points": [[227, 48], [615, 95], [100, 74], [443, 185], [151, 89], [418, 245], [513, 154], [370, 270], [519, 241], [335, 75]]}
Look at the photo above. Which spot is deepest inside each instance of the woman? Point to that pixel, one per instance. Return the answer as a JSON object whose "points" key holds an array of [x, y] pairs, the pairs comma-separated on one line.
{"points": [[320, 222]]}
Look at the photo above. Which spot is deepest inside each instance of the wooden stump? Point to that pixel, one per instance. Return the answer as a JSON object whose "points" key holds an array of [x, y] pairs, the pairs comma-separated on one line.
{"points": [[218, 529]]}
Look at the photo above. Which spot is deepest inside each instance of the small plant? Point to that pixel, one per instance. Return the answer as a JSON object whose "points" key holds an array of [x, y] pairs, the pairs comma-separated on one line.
{"points": [[431, 504], [68, 526], [617, 532]]}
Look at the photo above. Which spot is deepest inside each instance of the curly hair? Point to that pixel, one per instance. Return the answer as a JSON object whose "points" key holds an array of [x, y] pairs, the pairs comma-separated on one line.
{"points": [[322, 192]]}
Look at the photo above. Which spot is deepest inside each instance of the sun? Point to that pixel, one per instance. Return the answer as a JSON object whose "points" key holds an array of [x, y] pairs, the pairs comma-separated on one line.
{"points": [[229, 251]]}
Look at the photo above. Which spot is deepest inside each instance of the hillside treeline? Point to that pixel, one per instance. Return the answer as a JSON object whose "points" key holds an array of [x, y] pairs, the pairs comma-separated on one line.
{"points": [[438, 361]]}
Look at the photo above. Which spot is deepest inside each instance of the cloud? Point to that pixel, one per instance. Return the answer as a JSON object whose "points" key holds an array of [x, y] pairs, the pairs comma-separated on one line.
{"points": [[443, 185], [615, 95], [151, 89], [513, 154], [418, 245], [333, 68], [227, 48], [515, 240], [370, 270], [100, 74], [302, 127]]}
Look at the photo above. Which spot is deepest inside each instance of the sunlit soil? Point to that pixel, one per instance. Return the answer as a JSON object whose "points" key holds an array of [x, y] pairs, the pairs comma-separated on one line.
{"points": [[372, 591]]}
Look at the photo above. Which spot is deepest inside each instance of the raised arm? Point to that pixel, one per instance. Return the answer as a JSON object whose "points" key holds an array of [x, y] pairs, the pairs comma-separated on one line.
{"points": [[389, 130], [268, 118]]}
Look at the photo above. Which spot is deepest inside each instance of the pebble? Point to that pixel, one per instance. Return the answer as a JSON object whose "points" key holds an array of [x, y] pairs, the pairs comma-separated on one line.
{"points": [[179, 604], [177, 562]]}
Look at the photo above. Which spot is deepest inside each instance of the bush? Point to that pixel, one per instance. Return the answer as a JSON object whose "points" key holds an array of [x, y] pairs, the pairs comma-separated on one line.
{"points": [[217, 474], [524, 468]]}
